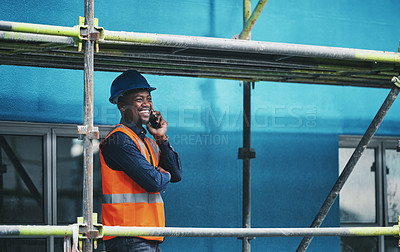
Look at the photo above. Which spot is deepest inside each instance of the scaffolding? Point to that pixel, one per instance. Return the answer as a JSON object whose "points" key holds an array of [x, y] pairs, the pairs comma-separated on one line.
{"points": [[25, 44]]}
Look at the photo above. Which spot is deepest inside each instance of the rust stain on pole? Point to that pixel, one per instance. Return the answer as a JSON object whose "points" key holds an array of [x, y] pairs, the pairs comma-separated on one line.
{"points": [[250, 22]]}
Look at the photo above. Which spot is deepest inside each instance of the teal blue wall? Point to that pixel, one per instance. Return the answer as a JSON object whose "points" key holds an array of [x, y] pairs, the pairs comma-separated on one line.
{"points": [[295, 126]]}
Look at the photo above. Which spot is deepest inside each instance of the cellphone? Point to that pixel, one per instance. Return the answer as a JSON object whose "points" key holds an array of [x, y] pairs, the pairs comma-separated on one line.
{"points": [[153, 120]]}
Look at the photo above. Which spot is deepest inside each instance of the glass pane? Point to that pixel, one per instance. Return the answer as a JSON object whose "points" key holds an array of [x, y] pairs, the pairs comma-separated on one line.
{"points": [[391, 244], [357, 198], [392, 158], [358, 244], [21, 180], [70, 179], [23, 245]]}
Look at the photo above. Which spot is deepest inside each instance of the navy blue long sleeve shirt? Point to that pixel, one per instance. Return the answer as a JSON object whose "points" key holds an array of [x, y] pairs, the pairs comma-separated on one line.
{"points": [[122, 154]]}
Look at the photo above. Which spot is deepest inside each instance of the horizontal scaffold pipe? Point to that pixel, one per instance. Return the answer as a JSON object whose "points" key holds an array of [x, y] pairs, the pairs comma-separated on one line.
{"points": [[37, 230], [251, 46], [249, 232], [207, 43], [40, 29], [32, 37]]}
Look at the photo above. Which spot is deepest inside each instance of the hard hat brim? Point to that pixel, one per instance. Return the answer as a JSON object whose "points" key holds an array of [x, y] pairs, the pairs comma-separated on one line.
{"points": [[114, 99]]}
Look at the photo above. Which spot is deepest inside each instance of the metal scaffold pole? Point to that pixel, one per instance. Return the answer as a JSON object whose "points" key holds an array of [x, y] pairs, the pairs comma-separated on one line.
{"points": [[246, 211], [62, 231], [14, 30], [246, 218], [88, 124], [247, 153], [249, 21], [362, 145]]}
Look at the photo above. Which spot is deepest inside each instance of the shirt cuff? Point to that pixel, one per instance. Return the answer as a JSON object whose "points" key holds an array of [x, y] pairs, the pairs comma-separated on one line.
{"points": [[164, 141]]}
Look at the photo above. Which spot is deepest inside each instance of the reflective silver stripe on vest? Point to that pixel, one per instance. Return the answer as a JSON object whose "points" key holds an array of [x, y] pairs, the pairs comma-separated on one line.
{"points": [[155, 149], [142, 146], [140, 142], [132, 198]]}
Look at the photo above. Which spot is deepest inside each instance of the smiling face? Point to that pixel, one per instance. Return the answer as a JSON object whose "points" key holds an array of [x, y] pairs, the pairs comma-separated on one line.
{"points": [[135, 107]]}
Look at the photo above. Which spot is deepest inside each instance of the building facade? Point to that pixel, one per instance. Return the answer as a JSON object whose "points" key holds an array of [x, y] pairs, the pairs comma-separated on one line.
{"points": [[302, 134]]}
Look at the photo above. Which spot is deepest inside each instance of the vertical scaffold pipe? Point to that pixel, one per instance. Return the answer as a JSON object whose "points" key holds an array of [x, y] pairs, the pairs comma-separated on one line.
{"points": [[246, 12], [88, 122], [246, 163], [251, 21], [246, 211], [362, 145]]}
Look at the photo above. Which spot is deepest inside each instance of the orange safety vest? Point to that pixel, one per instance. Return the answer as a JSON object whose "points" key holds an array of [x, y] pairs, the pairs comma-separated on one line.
{"points": [[125, 203]]}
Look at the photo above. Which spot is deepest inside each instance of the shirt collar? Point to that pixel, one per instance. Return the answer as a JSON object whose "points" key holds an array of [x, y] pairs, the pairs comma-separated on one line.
{"points": [[140, 131]]}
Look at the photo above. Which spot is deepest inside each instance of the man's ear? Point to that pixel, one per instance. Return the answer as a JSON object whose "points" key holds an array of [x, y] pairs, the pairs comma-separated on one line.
{"points": [[121, 106]]}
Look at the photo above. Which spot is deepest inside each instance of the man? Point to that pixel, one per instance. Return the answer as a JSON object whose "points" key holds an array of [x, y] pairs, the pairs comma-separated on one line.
{"points": [[135, 169]]}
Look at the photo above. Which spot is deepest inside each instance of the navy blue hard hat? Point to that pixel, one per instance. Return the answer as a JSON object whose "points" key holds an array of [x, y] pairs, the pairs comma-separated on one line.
{"points": [[128, 80]]}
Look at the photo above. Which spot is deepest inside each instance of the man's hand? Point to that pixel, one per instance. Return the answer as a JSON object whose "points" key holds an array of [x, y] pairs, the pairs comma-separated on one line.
{"points": [[164, 171], [158, 133]]}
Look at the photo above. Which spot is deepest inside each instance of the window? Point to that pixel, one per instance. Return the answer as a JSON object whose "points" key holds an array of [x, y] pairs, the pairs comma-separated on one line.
{"points": [[358, 197], [371, 194], [69, 177], [21, 180], [69, 163], [392, 161], [41, 174]]}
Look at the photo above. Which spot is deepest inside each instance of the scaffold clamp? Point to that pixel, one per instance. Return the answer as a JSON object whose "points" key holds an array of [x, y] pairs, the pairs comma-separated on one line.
{"points": [[246, 153], [97, 35], [248, 238], [84, 233], [92, 133], [396, 81], [253, 83]]}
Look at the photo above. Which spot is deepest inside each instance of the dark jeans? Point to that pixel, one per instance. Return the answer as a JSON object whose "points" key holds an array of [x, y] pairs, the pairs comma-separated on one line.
{"points": [[131, 244]]}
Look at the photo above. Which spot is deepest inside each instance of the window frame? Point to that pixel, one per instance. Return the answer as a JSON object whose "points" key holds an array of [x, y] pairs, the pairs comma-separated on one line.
{"points": [[20, 130], [387, 145], [49, 132], [28, 129], [380, 144], [352, 142]]}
